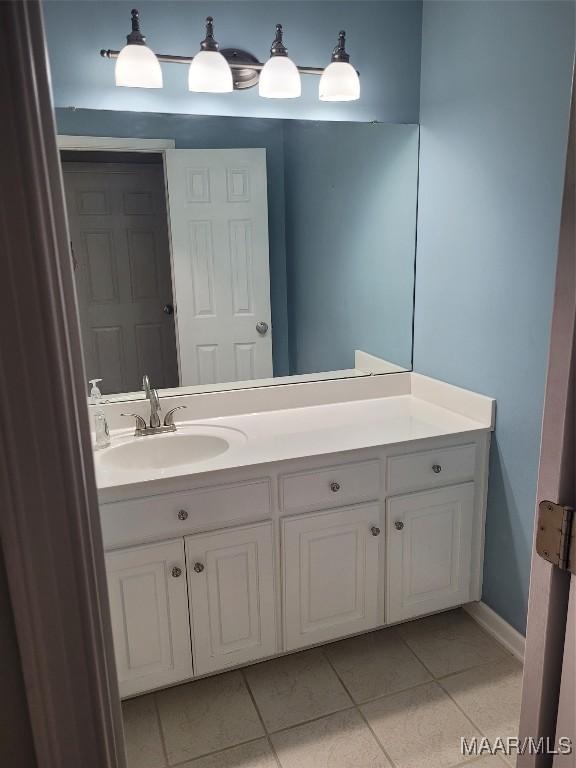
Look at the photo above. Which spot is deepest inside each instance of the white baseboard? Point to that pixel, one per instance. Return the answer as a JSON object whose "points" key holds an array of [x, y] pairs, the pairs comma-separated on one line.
{"points": [[495, 625]]}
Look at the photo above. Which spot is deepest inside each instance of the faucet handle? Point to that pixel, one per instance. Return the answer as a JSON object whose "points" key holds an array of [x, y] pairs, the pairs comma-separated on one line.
{"points": [[169, 418], [140, 422]]}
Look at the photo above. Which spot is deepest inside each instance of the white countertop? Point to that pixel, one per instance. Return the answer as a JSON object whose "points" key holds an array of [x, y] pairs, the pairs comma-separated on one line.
{"points": [[292, 433]]}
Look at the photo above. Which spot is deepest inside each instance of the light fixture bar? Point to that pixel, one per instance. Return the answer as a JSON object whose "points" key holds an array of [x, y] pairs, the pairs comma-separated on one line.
{"points": [[167, 58]]}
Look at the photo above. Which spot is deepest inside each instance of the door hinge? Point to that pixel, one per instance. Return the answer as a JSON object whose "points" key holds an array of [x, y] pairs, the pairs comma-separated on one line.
{"points": [[556, 536]]}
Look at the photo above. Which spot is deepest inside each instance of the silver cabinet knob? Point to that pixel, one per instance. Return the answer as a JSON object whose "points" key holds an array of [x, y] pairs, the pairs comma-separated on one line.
{"points": [[198, 567], [262, 327], [436, 468], [182, 515], [375, 531], [334, 486], [176, 572], [399, 525]]}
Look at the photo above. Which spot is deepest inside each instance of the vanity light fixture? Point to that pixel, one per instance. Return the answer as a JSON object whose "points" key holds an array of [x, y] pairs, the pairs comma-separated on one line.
{"points": [[220, 71], [136, 64], [339, 81], [279, 78], [209, 71]]}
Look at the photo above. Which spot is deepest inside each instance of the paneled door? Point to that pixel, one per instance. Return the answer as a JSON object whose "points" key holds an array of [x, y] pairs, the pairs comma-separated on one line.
{"points": [[118, 226], [231, 592], [330, 574], [429, 551], [149, 607], [219, 226]]}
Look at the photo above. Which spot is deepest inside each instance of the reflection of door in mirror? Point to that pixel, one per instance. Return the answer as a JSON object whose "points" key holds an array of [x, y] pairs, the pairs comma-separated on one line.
{"points": [[117, 219], [219, 227]]}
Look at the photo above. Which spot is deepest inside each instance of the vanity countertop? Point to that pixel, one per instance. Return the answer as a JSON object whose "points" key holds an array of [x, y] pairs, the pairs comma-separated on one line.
{"points": [[291, 433]]}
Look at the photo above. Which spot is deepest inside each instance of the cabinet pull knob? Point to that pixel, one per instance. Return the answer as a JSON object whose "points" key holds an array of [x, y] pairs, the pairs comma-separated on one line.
{"points": [[198, 567], [399, 525], [176, 572], [334, 486], [182, 515], [375, 531], [436, 468]]}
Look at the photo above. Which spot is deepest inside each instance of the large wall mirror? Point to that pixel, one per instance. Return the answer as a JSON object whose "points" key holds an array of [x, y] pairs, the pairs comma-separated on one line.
{"points": [[239, 251]]}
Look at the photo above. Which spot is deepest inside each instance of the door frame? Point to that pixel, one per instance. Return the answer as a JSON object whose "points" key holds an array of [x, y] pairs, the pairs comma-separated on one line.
{"points": [[72, 143], [50, 525], [549, 586]]}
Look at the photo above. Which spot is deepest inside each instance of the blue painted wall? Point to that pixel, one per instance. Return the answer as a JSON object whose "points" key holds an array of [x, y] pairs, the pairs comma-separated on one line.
{"points": [[350, 224], [494, 120], [383, 40], [195, 132]]}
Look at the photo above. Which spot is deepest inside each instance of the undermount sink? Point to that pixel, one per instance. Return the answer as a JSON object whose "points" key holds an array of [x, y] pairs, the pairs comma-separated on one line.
{"points": [[164, 452]]}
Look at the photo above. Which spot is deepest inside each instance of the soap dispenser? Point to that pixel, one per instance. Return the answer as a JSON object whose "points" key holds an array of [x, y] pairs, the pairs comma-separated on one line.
{"points": [[100, 424]]}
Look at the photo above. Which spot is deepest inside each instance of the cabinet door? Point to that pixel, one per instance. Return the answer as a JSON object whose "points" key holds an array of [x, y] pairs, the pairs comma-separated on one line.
{"points": [[148, 602], [429, 551], [330, 574], [232, 596]]}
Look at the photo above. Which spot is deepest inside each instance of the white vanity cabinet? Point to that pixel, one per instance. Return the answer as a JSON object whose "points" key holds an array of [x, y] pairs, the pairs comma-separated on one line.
{"points": [[232, 596], [226, 571], [330, 574], [149, 610]]}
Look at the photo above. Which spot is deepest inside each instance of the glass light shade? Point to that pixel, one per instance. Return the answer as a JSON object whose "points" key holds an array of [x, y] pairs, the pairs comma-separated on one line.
{"points": [[138, 67], [209, 73], [279, 79], [339, 82]]}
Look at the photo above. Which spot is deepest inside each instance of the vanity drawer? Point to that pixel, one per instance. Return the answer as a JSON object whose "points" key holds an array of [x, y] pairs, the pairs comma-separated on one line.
{"points": [[429, 469], [178, 514], [331, 487]]}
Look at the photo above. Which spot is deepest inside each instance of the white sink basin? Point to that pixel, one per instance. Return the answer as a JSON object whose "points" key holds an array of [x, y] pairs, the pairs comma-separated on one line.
{"points": [[168, 451]]}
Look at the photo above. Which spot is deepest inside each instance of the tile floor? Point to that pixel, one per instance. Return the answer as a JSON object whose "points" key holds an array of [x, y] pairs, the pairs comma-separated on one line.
{"points": [[398, 698]]}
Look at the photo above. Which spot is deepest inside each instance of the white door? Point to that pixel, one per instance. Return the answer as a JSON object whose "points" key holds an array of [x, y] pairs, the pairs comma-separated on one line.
{"points": [[118, 226], [149, 606], [232, 596], [219, 226], [330, 574], [429, 546]]}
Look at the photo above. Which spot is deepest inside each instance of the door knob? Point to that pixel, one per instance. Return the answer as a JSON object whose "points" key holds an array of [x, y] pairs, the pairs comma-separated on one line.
{"points": [[176, 572], [198, 567], [168, 309], [262, 327], [436, 468], [399, 525], [334, 487], [182, 515], [375, 531]]}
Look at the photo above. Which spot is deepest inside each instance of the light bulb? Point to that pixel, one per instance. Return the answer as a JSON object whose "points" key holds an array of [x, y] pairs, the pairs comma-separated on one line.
{"points": [[339, 81], [279, 78], [137, 65], [209, 71]]}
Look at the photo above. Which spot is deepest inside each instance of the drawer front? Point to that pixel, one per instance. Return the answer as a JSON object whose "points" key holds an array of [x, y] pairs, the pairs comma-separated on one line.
{"points": [[178, 514], [331, 487], [429, 469]]}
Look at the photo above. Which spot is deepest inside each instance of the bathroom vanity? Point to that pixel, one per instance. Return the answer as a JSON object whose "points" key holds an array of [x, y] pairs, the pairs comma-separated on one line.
{"points": [[330, 513]]}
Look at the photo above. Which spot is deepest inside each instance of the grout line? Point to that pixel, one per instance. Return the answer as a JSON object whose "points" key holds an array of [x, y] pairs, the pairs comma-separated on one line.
{"points": [[160, 729], [216, 752], [358, 710], [253, 699]]}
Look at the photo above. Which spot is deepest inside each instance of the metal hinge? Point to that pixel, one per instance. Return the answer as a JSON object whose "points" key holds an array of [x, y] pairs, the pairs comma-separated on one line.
{"points": [[556, 536]]}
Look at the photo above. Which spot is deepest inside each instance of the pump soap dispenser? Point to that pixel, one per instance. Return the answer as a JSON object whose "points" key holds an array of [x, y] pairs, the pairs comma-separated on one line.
{"points": [[100, 424]]}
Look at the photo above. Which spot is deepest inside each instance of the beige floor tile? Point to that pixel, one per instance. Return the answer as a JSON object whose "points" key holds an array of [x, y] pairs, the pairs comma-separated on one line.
{"points": [[488, 761], [142, 733], [376, 664], [490, 696], [420, 728], [342, 740], [206, 716], [450, 642], [295, 689], [256, 754]]}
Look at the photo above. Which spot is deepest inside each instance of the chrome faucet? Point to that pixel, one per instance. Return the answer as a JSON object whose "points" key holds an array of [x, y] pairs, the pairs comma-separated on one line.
{"points": [[155, 407], [155, 427]]}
